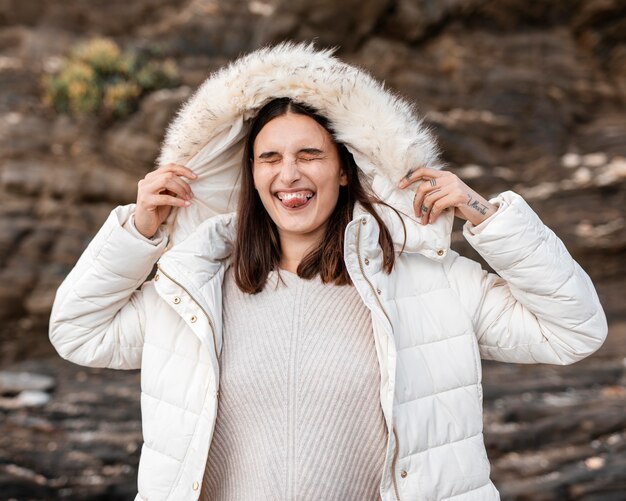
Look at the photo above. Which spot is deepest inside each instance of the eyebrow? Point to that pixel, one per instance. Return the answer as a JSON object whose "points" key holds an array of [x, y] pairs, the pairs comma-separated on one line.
{"points": [[310, 151]]}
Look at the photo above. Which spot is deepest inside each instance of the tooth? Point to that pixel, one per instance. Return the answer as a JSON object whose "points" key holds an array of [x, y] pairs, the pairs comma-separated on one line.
{"points": [[289, 196]]}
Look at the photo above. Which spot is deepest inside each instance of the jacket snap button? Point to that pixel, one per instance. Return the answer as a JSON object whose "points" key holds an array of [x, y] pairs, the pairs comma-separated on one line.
{"points": [[403, 473], [363, 220], [176, 300], [193, 318], [157, 276], [367, 261], [195, 486], [440, 252], [378, 291]]}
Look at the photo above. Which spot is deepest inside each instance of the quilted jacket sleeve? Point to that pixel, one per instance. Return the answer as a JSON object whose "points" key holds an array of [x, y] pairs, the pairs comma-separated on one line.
{"points": [[98, 314], [541, 306]]}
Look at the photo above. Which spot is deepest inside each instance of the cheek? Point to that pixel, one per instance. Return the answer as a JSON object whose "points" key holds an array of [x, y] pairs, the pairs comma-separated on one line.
{"points": [[262, 185], [330, 197], [259, 181]]}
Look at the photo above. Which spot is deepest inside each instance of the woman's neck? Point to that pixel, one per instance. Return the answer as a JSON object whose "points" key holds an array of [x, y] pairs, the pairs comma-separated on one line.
{"points": [[295, 246]]}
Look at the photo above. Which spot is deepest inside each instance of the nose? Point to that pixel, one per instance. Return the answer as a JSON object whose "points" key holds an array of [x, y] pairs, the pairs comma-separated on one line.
{"points": [[290, 171]]}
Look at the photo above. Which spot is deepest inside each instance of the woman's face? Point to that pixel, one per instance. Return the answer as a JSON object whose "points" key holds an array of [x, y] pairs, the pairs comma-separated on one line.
{"points": [[296, 170]]}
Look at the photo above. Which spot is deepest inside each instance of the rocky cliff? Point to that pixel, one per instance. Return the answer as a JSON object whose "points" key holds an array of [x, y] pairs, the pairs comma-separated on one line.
{"points": [[528, 96]]}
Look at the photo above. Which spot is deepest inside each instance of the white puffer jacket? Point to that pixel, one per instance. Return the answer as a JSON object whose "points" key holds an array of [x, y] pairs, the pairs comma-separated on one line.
{"points": [[434, 317]]}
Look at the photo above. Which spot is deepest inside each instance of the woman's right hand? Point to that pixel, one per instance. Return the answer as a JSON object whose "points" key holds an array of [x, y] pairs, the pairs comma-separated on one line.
{"points": [[158, 192]]}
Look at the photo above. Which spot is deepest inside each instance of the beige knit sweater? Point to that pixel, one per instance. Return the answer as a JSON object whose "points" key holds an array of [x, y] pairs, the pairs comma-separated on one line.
{"points": [[299, 415]]}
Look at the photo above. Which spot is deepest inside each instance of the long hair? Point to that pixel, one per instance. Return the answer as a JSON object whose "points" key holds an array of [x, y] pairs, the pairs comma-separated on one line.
{"points": [[257, 248]]}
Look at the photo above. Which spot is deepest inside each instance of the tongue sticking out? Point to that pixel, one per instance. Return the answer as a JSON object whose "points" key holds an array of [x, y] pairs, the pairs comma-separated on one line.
{"points": [[295, 202]]}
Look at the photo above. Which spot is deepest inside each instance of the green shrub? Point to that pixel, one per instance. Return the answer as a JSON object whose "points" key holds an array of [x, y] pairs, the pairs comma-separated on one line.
{"points": [[98, 78], [102, 54], [74, 90], [120, 98], [157, 74]]}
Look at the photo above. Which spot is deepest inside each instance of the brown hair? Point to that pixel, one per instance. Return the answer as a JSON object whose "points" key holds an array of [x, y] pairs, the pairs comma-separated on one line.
{"points": [[257, 245]]}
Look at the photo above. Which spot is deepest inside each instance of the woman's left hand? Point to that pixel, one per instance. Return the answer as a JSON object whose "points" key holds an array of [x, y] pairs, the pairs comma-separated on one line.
{"points": [[441, 190]]}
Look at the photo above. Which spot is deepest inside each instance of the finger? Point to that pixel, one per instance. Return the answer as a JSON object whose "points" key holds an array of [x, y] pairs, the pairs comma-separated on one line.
{"points": [[171, 180], [427, 189], [165, 177], [181, 188], [155, 189], [433, 201], [420, 197], [158, 200], [178, 169], [441, 205], [418, 173], [181, 170]]}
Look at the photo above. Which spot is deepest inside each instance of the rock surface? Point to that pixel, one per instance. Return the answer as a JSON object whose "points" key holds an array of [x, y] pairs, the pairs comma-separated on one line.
{"points": [[527, 96]]}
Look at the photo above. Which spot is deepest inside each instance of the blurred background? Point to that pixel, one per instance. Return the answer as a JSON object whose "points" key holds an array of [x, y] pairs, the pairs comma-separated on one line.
{"points": [[526, 96]]}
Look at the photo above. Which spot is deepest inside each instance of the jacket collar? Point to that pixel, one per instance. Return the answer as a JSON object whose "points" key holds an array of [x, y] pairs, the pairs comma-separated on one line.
{"points": [[200, 256], [196, 262]]}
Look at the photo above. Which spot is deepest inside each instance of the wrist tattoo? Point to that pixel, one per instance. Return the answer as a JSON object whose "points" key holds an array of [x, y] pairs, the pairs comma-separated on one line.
{"points": [[475, 204]]}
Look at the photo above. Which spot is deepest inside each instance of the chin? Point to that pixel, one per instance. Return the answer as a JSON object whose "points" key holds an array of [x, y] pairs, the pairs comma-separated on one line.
{"points": [[301, 229]]}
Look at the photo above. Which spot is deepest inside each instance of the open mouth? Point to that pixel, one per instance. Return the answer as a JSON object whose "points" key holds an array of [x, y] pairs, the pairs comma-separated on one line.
{"points": [[295, 201]]}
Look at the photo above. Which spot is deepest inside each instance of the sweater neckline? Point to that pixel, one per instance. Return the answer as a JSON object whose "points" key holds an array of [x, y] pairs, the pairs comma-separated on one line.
{"points": [[282, 270], [290, 276]]}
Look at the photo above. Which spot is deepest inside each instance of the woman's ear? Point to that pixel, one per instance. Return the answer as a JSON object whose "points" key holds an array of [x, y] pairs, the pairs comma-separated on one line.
{"points": [[343, 178]]}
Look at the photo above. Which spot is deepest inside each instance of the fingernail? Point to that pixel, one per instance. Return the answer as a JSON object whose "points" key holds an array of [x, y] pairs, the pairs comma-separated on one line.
{"points": [[187, 202]]}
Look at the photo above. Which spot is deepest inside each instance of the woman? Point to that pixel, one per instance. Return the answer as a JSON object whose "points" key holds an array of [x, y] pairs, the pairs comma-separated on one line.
{"points": [[305, 282]]}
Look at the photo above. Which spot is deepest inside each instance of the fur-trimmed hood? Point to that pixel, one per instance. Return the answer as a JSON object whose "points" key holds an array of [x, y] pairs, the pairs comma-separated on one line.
{"points": [[381, 130]]}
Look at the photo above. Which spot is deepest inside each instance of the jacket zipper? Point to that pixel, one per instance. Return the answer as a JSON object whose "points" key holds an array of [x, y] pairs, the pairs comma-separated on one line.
{"points": [[393, 464], [395, 451], [358, 252], [199, 306]]}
